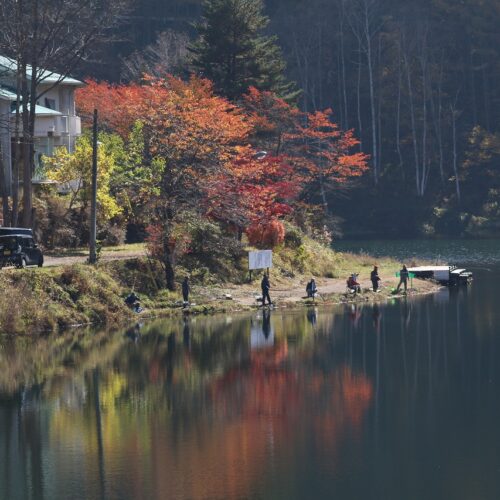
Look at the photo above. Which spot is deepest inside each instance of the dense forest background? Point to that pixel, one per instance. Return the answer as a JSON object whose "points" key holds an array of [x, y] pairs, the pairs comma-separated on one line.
{"points": [[416, 80]]}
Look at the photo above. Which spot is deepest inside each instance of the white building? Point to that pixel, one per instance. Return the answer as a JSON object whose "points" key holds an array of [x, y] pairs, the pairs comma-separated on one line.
{"points": [[56, 123]]}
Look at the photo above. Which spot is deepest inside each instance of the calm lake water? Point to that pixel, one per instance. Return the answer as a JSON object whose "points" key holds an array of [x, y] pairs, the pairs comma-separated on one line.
{"points": [[400, 401]]}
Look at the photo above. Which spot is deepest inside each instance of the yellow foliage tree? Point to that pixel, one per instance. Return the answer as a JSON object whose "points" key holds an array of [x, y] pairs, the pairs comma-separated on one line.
{"points": [[74, 172]]}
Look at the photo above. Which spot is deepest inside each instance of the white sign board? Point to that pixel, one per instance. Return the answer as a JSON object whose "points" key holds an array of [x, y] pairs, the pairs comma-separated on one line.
{"points": [[260, 260]]}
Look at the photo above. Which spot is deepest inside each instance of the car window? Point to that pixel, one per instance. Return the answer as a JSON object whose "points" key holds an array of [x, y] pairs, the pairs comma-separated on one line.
{"points": [[9, 242]]}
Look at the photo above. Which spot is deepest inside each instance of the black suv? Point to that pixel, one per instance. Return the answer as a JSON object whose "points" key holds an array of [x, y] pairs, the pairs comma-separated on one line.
{"points": [[17, 248]]}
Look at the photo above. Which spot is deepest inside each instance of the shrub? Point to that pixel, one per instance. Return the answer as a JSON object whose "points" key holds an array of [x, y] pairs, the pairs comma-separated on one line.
{"points": [[293, 238], [300, 258], [56, 225], [267, 235], [112, 235]]}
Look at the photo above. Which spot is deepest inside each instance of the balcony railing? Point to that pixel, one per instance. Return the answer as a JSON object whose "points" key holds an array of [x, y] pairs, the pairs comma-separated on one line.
{"points": [[58, 126]]}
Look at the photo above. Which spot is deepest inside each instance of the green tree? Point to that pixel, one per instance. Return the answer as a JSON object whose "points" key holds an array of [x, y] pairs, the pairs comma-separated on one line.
{"points": [[232, 51], [74, 171]]}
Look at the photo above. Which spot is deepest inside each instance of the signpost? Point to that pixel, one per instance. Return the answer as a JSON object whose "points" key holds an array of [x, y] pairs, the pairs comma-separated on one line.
{"points": [[262, 259]]}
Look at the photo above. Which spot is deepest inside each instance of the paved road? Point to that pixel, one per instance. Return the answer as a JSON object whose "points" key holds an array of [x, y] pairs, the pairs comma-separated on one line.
{"points": [[107, 255]]}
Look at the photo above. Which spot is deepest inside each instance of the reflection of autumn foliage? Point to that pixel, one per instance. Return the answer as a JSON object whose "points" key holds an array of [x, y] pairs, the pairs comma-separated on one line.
{"points": [[275, 402], [357, 394], [268, 405], [269, 387]]}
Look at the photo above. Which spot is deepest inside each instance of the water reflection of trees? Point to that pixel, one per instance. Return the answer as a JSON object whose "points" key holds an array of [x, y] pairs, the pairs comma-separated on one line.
{"points": [[192, 398], [115, 402], [26, 362]]}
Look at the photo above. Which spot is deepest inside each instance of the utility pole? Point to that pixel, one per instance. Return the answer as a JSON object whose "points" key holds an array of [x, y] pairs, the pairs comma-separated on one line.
{"points": [[93, 201]]}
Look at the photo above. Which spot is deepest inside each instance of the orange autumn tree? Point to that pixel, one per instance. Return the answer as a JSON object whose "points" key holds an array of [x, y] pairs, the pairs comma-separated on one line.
{"points": [[319, 151], [190, 136], [253, 196], [195, 136], [322, 153], [119, 106], [199, 151]]}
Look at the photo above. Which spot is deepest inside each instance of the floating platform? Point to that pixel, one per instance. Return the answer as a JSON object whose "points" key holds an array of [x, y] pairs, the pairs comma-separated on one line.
{"points": [[446, 275]]}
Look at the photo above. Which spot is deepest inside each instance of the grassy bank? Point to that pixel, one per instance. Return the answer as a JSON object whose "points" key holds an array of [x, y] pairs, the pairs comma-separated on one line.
{"points": [[52, 299], [41, 300]]}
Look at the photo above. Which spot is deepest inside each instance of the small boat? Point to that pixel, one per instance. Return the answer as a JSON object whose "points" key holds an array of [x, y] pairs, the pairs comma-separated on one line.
{"points": [[446, 275]]}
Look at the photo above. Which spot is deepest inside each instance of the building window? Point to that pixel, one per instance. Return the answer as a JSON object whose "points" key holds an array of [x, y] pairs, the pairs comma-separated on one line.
{"points": [[50, 103]]}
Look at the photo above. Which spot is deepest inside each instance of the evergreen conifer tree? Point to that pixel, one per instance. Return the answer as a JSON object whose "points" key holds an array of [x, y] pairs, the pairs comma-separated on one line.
{"points": [[232, 51]]}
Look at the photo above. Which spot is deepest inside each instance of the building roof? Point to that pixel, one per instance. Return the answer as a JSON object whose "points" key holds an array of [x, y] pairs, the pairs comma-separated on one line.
{"points": [[46, 76], [7, 95], [424, 269], [41, 111]]}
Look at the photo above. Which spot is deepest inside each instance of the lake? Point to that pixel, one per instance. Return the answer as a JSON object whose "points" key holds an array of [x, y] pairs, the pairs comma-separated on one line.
{"points": [[400, 401]]}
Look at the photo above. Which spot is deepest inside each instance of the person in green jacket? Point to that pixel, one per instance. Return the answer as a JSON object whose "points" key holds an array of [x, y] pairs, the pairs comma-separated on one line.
{"points": [[403, 279]]}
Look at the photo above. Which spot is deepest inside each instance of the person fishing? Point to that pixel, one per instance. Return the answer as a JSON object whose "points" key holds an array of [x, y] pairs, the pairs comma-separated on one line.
{"points": [[403, 279], [375, 279], [265, 286], [311, 289], [352, 284], [185, 290], [133, 302]]}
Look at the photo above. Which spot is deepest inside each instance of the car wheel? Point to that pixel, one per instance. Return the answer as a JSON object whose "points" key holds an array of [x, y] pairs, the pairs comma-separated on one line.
{"points": [[22, 263], [40, 263]]}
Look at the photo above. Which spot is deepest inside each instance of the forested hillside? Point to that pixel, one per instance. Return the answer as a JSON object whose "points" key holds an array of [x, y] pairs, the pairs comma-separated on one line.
{"points": [[416, 81]]}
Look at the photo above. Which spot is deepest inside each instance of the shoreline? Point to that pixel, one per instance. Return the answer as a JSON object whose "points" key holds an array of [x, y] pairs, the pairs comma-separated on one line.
{"points": [[244, 301], [55, 299]]}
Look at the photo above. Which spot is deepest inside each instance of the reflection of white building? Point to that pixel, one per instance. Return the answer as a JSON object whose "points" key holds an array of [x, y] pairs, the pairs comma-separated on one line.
{"points": [[56, 123]]}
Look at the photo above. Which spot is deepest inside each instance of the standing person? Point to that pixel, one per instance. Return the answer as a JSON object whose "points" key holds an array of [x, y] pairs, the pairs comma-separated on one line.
{"points": [[265, 285], [185, 289], [403, 279], [311, 289], [375, 278]]}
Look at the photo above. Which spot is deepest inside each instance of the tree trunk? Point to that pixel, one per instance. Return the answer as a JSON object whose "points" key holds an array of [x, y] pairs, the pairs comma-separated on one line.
{"points": [[423, 182], [455, 154], [486, 96], [27, 176], [168, 259], [29, 116], [4, 191], [398, 115], [17, 139], [169, 263], [25, 145], [379, 104], [358, 100], [413, 124], [342, 61], [324, 199], [369, 58], [437, 115]]}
